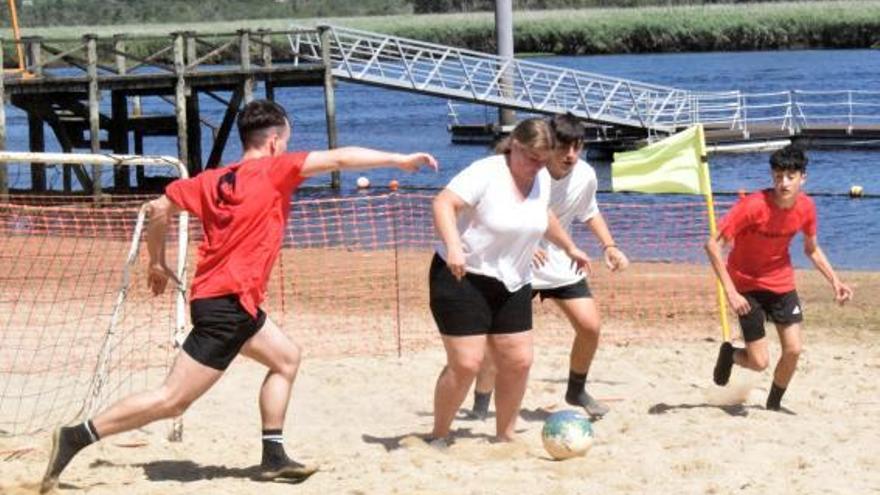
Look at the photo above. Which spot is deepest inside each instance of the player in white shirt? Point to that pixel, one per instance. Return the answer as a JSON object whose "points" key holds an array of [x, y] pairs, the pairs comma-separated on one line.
{"points": [[490, 219], [572, 198]]}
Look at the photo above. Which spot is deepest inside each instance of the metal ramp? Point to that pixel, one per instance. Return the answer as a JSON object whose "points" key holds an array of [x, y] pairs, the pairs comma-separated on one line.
{"points": [[475, 77]]}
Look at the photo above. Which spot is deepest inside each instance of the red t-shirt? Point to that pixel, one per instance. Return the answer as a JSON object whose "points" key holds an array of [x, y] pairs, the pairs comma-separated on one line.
{"points": [[244, 209], [761, 233]]}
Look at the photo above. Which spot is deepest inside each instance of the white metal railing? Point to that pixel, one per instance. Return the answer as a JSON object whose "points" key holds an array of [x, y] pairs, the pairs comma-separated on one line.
{"points": [[482, 78], [489, 79]]}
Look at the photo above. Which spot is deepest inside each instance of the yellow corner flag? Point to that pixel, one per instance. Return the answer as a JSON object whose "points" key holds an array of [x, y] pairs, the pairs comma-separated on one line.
{"points": [[676, 164]]}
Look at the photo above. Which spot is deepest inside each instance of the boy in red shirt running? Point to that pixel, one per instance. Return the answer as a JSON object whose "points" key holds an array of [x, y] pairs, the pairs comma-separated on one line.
{"points": [[243, 208], [759, 279]]}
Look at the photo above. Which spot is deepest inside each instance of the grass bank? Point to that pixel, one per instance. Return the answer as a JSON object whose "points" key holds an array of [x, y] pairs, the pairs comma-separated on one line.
{"points": [[831, 24]]}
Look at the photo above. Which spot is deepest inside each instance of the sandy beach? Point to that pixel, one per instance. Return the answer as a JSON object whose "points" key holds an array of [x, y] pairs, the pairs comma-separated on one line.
{"points": [[670, 430]]}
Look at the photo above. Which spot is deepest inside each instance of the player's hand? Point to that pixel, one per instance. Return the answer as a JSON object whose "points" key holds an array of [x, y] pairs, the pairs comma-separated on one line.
{"points": [[615, 260], [157, 277], [842, 293], [580, 260], [414, 161], [739, 303], [539, 258], [455, 263]]}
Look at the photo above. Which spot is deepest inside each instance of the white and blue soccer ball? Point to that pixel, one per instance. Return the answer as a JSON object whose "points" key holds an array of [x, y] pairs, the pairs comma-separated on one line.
{"points": [[567, 434]]}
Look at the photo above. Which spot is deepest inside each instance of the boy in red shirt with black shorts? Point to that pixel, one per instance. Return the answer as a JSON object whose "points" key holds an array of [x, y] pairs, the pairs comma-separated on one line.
{"points": [[759, 277], [243, 208]]}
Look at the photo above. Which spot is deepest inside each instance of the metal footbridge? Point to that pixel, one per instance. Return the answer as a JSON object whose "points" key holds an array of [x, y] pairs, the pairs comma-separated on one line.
{"points": [[482, 78]]}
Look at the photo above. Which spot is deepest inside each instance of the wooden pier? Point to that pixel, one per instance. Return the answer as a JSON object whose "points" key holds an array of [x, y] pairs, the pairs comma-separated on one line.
{"points": [[64, 82], [603, 141]]}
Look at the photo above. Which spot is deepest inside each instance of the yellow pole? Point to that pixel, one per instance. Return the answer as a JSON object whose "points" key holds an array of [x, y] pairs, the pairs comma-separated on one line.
{"points": [[16, 33], [706, 187]]}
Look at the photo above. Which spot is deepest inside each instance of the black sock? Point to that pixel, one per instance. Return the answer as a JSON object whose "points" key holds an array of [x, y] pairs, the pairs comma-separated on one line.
{"points": [[70, 440], [481, 402], [774, 398], [81, 435], [576, 388], [273, 448]]}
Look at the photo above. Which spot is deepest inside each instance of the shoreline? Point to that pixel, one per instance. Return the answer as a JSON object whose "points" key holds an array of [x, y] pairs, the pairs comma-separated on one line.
{"points": [[655, 29]]}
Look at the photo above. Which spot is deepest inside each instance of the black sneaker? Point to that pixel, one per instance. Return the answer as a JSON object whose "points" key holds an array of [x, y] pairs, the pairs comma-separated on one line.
{"points": [[289, 470], [724, 364]]}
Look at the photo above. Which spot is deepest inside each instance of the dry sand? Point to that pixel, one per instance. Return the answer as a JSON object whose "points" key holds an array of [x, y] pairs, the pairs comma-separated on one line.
{"points": [[670, 430]]}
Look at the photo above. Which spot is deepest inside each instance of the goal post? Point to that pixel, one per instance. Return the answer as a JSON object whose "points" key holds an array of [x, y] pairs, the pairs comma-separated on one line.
{"points": [[78, 326]]}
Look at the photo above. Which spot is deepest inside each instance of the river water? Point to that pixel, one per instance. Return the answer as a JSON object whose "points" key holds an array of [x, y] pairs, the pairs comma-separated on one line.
{"points": [[369, 116]]}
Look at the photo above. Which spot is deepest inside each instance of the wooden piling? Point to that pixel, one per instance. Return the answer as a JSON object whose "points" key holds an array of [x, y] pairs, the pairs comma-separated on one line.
{"points": [[91, 41], [180, 99], [244, 41], [329, 98], [4, 177], [119, 111]]}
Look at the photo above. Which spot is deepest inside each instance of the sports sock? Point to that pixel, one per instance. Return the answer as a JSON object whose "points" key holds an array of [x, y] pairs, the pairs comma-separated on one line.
{"points": [[273, 448], [66, 443], [276, 465], [774, 398], [576, 384], [577, 395], [481, 403]]}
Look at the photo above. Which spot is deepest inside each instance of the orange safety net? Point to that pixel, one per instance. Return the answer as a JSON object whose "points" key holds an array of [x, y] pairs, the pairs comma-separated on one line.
{"points": [[351, 280]]}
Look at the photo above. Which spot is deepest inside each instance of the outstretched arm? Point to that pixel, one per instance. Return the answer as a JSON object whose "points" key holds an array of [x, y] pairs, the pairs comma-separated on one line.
{"points": [[614, 258], [159, 212], [842, 292], [713, 248], [355, 158], [557, 235]]}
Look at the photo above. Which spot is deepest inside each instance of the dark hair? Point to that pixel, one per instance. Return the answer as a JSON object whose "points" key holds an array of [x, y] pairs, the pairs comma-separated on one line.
{"points": [[534, 134], [567, 129], [790, 158], [258, 117]]}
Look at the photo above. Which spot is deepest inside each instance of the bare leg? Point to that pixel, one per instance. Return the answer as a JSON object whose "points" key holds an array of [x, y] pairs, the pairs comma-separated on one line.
{"points": [[513, 357], [790, 338], [273, 348], [463, 358], [584, 318], [186, 382], [755, 356], [486, 377]]}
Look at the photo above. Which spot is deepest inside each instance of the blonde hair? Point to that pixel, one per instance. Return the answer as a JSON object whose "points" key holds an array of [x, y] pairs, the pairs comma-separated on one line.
{"points": [[534, 134]]}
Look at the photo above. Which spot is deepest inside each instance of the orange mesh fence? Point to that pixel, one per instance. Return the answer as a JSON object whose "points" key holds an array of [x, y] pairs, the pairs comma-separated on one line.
{"points": [[353, 274], [351, 280]]}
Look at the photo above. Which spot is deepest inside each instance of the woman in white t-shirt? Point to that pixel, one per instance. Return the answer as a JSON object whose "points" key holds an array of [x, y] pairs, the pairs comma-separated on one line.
{"points": [[490, 218]]}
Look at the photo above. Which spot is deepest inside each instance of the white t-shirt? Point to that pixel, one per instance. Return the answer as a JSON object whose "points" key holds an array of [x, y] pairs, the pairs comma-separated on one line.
{"points": [[572, 198], [499, 231]]}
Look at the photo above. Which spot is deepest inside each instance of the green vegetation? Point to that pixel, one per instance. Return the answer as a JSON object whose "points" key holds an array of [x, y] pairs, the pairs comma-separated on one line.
{"points": [[826, 24]]}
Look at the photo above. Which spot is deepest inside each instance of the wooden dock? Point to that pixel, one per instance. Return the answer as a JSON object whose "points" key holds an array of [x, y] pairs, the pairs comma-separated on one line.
{"points": [[65, 80], [605, 140]]}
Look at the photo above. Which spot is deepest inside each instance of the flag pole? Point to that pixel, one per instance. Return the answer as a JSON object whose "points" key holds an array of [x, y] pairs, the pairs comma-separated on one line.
{"points": [[706, 187]]}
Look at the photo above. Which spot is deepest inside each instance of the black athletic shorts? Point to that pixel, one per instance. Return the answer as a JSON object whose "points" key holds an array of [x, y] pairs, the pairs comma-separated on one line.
{"points": [[779, 308], [477, 305], [571, 291], [221, 326]]}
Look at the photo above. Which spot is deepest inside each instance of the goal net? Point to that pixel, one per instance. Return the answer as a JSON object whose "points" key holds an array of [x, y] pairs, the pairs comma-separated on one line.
{"points": [[78, 326]]}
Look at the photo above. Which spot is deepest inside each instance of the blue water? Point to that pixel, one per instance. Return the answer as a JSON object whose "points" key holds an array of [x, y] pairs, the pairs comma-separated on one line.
{"points": [[374, 117]]}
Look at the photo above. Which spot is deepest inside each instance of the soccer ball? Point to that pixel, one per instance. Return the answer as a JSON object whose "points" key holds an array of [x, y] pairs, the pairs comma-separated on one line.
{"points": [[567, 434]]}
